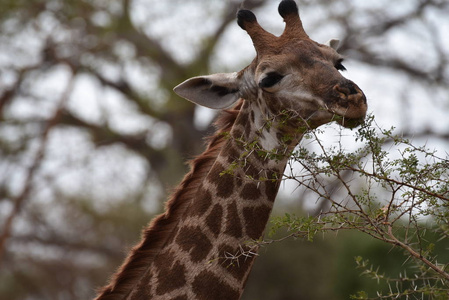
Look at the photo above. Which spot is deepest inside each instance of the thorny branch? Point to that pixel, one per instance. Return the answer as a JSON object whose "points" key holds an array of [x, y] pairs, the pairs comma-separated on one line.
{"points": [[415, 254], [409, 189]]}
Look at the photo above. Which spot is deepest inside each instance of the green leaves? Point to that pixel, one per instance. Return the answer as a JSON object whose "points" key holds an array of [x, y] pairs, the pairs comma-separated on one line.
{"points": [[304, 227]]}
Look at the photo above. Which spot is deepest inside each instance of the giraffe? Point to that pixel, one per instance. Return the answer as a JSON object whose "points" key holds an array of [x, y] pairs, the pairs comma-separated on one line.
{"points": [[200, 248]]}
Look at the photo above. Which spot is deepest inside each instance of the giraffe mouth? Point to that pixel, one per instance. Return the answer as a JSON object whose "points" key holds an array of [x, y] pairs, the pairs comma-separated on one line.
{"points": [[349, 122], [349, 117]]}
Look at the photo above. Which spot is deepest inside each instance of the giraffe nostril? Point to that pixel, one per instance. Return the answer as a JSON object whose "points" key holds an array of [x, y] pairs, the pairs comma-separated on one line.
{"points": [[352, 89], [347, 89]]}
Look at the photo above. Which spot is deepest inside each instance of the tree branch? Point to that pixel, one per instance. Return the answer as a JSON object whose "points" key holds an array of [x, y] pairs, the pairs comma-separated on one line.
{"points": [[19, 201]]}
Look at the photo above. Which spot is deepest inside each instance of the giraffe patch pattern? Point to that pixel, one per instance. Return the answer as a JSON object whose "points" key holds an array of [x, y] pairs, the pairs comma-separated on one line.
{"points": [[214, 219], [208, 286], [195, 242], [233, 224]]}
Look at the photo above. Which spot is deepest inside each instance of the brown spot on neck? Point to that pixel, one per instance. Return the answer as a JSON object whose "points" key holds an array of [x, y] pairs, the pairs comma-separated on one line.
{"points": [[170, 277], [195, 242], [250, 191], [207, 286], [214, 219], [233, 225]]}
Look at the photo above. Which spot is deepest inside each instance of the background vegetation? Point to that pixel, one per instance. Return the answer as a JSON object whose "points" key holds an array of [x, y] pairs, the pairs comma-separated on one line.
{"points": [[92, 139]]}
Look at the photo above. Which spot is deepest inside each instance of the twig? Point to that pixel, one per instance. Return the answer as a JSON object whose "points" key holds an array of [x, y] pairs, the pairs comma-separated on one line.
{"points": [[416, 254]]}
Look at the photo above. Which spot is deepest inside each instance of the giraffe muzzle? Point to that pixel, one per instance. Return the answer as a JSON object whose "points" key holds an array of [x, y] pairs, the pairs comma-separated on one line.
{"points": [[351, 102]]}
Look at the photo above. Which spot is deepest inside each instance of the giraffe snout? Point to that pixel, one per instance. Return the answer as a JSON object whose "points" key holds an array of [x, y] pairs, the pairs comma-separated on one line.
{"points": [[348, 89], [352, 101]]}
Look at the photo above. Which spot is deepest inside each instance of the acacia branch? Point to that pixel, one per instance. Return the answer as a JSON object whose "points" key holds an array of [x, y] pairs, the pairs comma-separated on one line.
{"points": [[416, 255]]}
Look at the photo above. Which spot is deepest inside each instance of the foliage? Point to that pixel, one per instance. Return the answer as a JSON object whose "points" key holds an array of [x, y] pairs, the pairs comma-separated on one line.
{"points": [[403, 201]]}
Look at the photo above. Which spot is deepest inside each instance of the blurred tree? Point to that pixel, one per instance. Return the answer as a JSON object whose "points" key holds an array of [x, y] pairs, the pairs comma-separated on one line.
{"points": [[88, 121], [91, 135]]}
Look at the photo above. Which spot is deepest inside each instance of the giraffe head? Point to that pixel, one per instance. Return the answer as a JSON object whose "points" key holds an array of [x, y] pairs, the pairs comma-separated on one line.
{"points": [[290, 74]]}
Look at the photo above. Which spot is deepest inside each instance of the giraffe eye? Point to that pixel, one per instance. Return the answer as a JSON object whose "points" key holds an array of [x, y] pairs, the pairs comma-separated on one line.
{"points": [[339, 66], [270, 79]]}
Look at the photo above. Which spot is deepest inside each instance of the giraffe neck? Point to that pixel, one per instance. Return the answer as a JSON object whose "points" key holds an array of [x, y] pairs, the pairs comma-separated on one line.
{"points": [[206, 253], [209, 256]]}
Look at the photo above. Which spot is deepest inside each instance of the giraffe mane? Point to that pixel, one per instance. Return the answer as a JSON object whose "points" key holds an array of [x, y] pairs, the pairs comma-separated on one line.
{"points": [[157, 234]]}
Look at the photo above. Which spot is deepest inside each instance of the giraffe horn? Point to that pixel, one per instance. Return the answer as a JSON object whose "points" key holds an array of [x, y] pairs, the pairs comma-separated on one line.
{"points": [[293, 25], [248, 22]]}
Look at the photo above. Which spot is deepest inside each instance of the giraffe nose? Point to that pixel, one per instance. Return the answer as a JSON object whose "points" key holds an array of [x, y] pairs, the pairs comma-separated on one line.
{"points": [[348, 89], [351, 101], [350, 92]]}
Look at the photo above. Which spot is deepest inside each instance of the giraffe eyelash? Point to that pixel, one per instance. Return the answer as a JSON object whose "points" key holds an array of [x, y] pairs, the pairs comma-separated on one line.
{"points": [[339, 66]]}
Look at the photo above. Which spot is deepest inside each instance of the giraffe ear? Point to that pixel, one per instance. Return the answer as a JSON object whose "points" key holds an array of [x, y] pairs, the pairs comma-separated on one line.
{"points": [[333, 43], [217, 91]]}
